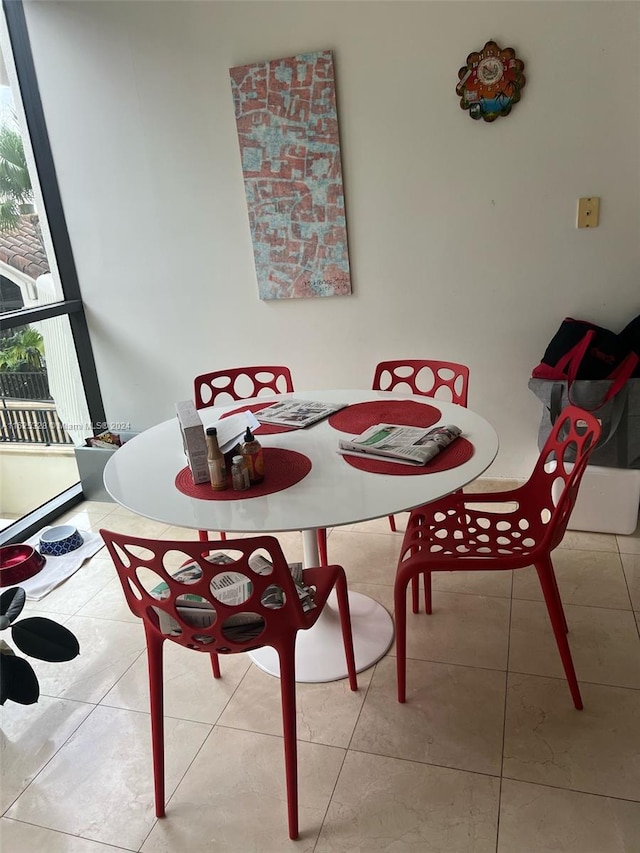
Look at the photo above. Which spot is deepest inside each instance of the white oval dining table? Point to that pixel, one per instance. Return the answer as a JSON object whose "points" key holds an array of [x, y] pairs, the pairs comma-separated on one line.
{"points": [[141, 477]]}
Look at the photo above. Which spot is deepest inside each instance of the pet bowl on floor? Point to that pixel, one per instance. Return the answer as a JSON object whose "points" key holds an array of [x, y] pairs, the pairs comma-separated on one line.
{"points": [[60, 540], [19, 562]]}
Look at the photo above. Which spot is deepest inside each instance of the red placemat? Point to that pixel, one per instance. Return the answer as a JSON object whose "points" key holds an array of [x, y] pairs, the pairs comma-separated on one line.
{"points": [[359, 417], [283, 468], [455, 454], [263, 429]]}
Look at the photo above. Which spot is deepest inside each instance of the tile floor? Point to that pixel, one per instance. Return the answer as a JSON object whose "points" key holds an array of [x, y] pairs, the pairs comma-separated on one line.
{"points": [[488, 754]]}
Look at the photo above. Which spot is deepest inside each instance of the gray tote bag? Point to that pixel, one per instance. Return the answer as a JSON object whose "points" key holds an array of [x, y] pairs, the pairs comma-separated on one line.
{"points": [[619, 444]]}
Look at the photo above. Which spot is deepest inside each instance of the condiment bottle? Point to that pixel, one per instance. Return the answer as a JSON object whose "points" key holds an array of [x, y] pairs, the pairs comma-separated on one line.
{"points": [[253, 456], [239, 474], [215, 460]]}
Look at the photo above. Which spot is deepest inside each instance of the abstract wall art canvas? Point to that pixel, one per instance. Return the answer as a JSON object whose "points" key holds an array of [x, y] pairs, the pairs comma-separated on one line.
{"points": [[290, 151]]}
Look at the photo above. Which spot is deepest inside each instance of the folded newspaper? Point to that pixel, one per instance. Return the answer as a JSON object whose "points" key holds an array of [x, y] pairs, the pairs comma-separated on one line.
{"points": [[297, 413], [232, 588], [404, 444]]}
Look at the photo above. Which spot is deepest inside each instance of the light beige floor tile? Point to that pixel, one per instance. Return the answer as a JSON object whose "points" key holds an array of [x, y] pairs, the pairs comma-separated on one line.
{"points": [[87, 515], [16, 837], [584, 577], [100, 784], [453, 716], [366, 557], [604, 644], [28, 610], [107, 650], [75, 592], [631, 568], [381, 593], [326, 713], [585, 541], [29, 736], [595, 750], [476, 583], [537, 819], [233, 798], [387, 804], [629, 544], [109, 603], [472, 630], [190, 690]]}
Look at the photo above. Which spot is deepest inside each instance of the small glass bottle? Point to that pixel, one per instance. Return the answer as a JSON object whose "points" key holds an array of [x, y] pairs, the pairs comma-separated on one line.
{"points": [[239, 474], [215, 460], [254, 457]]}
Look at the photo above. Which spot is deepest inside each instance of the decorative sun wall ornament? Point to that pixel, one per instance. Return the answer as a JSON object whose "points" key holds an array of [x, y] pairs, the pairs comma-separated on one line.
{"points": [[490, 83]]}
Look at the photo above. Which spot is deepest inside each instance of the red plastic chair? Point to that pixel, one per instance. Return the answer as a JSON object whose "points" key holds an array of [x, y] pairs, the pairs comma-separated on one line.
{"points": [[426, 377], [211, 629], [240, 383], [451, 534]]}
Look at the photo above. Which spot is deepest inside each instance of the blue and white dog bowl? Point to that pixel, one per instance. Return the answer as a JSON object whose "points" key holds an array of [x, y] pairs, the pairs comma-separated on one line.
{"points": [[60, 540]]}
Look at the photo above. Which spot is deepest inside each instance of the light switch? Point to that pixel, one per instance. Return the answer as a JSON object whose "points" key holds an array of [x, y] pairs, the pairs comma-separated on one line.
{"points": [[588, 211]]}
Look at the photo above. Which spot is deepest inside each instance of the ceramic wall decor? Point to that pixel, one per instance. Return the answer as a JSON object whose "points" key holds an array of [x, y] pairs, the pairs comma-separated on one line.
{"points": [[491, 82]]}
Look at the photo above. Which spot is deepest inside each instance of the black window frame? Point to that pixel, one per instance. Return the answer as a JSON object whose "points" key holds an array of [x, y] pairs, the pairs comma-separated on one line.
{"points": [[72, 305]]}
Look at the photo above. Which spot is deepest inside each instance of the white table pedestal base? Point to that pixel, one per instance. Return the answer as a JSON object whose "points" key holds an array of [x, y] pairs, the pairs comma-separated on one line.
{"points": [[320, 650]]}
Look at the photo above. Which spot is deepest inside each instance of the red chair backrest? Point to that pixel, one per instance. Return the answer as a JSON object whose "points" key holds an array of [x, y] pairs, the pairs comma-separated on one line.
{"points": [[240, 383], [424, 377], [549, 495], [145, 564]]}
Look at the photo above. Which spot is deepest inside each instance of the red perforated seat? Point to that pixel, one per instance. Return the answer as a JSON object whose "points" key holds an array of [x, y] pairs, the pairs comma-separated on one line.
{"points": [[459, 532], [240, 383], [194, 606], [426, 377], [429, 378]]}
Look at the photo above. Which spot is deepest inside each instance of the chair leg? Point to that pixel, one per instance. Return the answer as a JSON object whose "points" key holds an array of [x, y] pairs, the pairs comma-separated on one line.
{"points": [[415, 593], [426, 579], [215, 665], [223, 535], [400, 610], [321, 536], [345, 622], [559, 600], [288, 697], [154, 659], [392, 523], [203, 535], [558, 622]]}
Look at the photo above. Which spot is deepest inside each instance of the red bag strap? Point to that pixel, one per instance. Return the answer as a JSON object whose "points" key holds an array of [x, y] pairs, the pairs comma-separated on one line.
{"points": [[618, 377], [570, 362]]}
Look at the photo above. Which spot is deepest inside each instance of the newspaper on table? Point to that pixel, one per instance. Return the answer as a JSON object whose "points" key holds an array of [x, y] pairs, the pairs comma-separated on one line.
{"points": [[404, 444], [233, 589], [297, 413]]}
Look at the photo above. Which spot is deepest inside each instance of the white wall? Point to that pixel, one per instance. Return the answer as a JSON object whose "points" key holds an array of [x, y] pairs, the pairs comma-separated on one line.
{"points": [[462, 234]]}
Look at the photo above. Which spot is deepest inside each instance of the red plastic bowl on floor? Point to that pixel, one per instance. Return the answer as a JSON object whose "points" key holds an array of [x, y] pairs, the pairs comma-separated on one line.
{"points": [[19, 562]]}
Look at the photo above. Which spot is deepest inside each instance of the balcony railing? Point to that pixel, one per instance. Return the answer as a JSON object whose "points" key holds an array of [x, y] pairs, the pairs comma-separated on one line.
{"points": [[32, 426], [30, 385]]}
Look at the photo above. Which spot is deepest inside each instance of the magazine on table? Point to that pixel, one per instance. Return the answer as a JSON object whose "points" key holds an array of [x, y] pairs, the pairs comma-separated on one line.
{"points": [[297, 413], [404, 444]]}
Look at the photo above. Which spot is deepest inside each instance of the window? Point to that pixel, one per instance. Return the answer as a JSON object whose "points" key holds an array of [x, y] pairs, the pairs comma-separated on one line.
{"points": [[49, 393]]}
